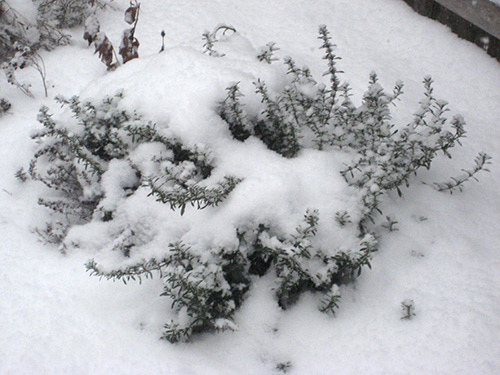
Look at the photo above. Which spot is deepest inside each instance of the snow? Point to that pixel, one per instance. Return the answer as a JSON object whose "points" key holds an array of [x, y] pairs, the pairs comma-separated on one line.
{"points": [[117, 178], [55, 319]]}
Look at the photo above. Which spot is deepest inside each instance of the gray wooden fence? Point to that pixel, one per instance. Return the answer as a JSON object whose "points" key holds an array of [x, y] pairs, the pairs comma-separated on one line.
{"points": [[475, 20]]}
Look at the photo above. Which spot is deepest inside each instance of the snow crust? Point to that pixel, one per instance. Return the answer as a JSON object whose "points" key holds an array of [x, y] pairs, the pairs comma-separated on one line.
{"points": [[54, 319]]}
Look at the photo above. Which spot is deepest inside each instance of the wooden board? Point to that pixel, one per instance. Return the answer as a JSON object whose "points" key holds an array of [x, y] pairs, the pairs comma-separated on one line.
{"points": [[482, 13], [477, 21]]}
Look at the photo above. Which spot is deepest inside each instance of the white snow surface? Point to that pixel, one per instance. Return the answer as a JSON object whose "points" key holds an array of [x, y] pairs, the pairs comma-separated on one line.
{"points": [[54, 319]]}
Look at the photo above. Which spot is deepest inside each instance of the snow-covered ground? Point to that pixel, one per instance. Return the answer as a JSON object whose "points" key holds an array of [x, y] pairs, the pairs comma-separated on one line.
{"points": [[55, 319]]}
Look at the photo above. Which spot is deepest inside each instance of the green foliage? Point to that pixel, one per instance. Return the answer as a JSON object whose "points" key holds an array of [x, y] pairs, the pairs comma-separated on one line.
{"points": [[208, 283], [284, 366], [456, 183], [390, 224], [4, 106], [266, 53], [67, 13], [385, 157], [15, 28], [21, 175], [311, 114], [71, 160], [24, 57], [210, 38], [200, 289], [205, 289], [330, 301], [342, 218], [275, 128], [407, 309], [231, 111], [299, 265], [178, 196]]}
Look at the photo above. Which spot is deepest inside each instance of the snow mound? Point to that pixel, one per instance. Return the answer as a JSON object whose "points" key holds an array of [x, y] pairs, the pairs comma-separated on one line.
{"points": [[179, 90]]}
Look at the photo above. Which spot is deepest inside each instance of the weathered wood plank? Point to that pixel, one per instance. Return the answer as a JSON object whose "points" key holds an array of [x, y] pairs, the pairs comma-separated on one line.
{"points": [[482, 13], [478, 12]]}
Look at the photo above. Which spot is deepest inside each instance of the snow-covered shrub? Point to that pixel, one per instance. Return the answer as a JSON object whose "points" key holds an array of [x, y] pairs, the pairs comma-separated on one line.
{"points": [[210, 38], [54, 16], [46, 30], [301, 265], [21, 39], [208, 285], [266, 53], [4, 106], [308, 114], [145, 203], [206, 288], [87, 166], [12, 30], [67, 13], [23, 58]]}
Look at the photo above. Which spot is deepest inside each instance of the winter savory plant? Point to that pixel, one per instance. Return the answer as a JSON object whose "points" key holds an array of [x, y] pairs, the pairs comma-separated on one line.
{"points": [[157, 205]]}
